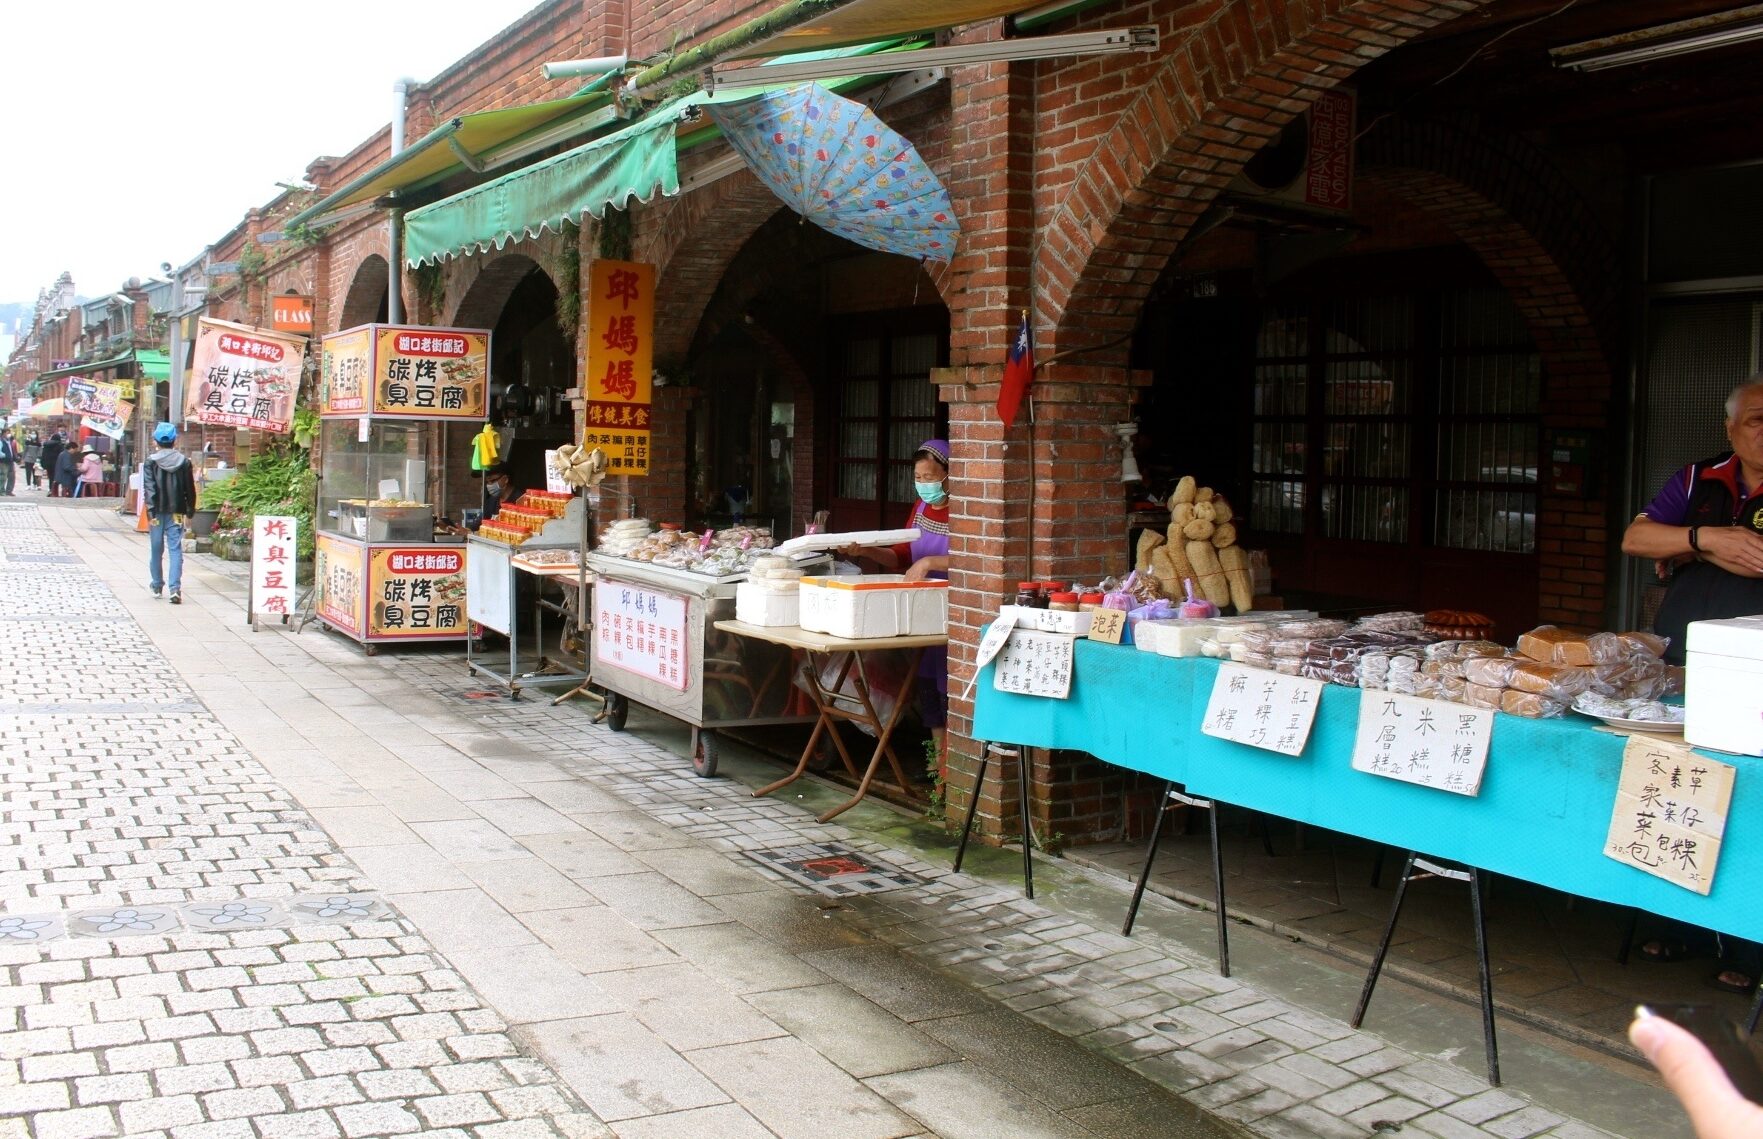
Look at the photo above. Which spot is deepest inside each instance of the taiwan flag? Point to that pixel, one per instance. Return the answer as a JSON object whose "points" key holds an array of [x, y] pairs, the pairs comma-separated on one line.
{"points": [[1019, 373]]}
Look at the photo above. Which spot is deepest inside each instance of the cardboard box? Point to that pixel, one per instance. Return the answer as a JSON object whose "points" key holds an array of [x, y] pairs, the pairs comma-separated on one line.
{"points": [[874, 605]]}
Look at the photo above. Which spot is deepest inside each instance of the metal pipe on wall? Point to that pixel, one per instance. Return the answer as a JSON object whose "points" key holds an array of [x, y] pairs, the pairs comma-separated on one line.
{"points": [[395, 218]]}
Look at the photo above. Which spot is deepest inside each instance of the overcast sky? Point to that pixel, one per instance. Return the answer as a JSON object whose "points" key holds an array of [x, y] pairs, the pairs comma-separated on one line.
{"points": [[138, 132]]}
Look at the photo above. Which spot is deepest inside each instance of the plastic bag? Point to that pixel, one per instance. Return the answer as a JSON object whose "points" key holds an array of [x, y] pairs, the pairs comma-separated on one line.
{"points": [[1160, 610]]}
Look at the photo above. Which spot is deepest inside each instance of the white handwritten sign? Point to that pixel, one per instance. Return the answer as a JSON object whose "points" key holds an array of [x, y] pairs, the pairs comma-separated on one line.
{"points": [[1262, 709], [996, 635], [1670, 814], [1033, 663], [1430, 742], [273, 541], [643, 631]]}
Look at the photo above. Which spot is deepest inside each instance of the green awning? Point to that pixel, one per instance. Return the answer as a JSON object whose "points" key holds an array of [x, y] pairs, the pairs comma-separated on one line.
{"points": [[634, 163], [82, 369], [152, 365]]}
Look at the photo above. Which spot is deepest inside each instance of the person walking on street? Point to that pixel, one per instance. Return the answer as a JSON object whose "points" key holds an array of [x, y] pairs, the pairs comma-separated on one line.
{"points": [[30, 456], [50, 457], [9, 456], [91, 474], [168, 490]]}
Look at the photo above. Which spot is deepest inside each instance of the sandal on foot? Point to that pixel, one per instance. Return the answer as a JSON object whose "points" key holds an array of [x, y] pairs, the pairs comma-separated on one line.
{"points": [[1663, 950], [1733, 981]]}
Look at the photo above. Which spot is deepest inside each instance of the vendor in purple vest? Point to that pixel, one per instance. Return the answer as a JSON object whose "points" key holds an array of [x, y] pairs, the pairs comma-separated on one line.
{"points": [[1704, 529]]}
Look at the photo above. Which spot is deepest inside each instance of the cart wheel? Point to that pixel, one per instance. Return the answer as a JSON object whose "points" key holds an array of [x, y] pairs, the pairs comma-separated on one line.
{"points": [[705, 752], [371, 650], [514, 694], [618, 709], [825, 754]]}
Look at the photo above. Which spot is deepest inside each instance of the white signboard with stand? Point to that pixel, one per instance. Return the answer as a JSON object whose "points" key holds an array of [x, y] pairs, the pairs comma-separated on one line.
{"points": [[1261, 708], [273, 542], [643, 631], [1434, 743]]}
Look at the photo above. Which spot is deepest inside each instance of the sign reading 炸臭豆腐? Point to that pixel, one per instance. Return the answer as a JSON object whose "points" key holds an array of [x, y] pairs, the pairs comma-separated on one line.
{"points": [[273, 542], [243, 376], [618, 363]]}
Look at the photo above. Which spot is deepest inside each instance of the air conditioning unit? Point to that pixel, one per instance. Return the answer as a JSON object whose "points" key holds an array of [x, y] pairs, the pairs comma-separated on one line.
{"points": [[1309, 166]]}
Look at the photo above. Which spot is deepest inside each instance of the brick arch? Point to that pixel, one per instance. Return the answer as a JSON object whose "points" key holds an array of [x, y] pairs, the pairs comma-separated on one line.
{"points": [[488, 293], [367, 292], [1224, 88]]}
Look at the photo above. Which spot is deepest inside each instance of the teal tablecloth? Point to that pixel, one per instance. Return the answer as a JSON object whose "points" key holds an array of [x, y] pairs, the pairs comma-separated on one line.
{"points": [[1542, 815]]}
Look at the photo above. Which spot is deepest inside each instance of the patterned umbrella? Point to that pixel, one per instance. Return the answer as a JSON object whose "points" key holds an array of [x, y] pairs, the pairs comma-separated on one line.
{"points": [[843, 169]]}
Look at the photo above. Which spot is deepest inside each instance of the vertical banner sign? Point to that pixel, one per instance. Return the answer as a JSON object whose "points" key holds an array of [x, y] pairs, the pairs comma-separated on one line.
{"points": [[1670, 814], [345, 363], [243, 376], [431, 372], [1262, 709], [272, 565], [1328, 178], [1430, 742], [339, 577], [417, 592], [618, 369], [643, 631]]}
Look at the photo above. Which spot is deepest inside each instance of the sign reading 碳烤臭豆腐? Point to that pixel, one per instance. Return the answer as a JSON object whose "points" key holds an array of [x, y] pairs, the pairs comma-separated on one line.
{"points": [[273, 542], [1262, 709], [1434, 743], [243, 376], [618, 363], [1033, 663], [405, 371], [1670, 813]]}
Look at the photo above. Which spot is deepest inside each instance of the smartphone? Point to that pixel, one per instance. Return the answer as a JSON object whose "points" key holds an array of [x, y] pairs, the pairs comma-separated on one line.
{"points": [[1722, 1037]]}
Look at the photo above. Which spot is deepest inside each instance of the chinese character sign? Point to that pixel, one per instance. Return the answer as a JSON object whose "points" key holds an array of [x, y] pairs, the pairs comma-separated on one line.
{"points": [[345, 360], [243, 376], [617, 371], [112, 425], [417, 592], [642, 631], [1262, 709], [1033, 663], [1434, 743], [1670, 814], [339, 579], [1328, 178], [431, 372], [272, 565]]}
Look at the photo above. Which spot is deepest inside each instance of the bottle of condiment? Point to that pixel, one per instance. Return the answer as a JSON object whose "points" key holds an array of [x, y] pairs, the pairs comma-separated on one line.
{"points": [[1089, 602], [1062, 602], [1029, 595]]}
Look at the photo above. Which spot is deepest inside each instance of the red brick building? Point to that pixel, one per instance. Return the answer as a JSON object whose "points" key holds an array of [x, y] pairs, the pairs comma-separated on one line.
{"points": [[1446, 383]]}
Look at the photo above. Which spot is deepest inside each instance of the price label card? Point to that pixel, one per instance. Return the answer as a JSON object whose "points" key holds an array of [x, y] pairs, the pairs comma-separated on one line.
{"points": [[1434, 743], [1262, 709], [1670, 814], [996, 635], [1108, 625], [1033, 663]]}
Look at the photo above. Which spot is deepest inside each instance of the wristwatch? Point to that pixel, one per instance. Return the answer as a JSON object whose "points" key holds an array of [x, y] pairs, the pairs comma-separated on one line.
{"points": [[1695, 542]]}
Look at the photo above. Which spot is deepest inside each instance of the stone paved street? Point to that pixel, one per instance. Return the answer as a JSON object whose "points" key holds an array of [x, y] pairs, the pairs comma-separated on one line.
{"points": [[255, 883]]}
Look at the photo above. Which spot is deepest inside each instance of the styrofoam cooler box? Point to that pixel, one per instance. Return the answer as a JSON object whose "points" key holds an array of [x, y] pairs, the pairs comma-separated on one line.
{"points": [[874, 605], [1723, 685], [757, 605]]}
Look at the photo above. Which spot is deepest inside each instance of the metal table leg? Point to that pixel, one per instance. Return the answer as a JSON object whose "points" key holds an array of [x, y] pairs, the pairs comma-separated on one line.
{"points": [[1210, 806], [825, 723]]}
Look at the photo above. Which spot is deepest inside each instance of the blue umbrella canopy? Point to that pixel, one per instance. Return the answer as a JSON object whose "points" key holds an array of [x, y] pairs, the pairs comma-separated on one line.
{"points": [[839, 166]]}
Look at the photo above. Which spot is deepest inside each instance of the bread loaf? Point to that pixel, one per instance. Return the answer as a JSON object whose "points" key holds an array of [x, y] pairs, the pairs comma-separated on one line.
{"points": [[1560, 682], [1530, 704], [1554, 645], [1481, 696], [1652, 644]]}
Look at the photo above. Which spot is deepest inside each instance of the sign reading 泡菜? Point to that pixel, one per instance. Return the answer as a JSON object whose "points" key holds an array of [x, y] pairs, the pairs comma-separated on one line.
{"points": [[406, 372], [272, 565], [1670, 813], [1033, 663], [642, 631], [618, 365], [1434, 743], [1107, 625], [1262, 709], [243, 376]]}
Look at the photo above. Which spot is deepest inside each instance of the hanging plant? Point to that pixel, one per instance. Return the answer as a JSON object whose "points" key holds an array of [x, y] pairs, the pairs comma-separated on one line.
{"points": [[615, 235], [305, 428], [431, 287], [569, 283]]}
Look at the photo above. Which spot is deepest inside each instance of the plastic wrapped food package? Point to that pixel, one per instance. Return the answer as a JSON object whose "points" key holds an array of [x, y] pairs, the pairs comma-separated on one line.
{"points": [[1463, 650], [1558, 682], [1551, 644], [1489, 672], [1481, 695], [1398, 622]]}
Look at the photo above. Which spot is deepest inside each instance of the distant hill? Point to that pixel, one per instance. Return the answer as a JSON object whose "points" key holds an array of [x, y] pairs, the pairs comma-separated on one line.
{"points": [[13, 316]]}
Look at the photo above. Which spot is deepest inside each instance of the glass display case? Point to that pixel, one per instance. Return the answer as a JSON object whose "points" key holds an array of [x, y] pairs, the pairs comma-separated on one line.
{"points": [[375, 491]]}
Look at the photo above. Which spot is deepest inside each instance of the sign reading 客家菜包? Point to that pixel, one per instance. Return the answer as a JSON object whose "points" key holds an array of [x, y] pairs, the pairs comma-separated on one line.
{"points": [[1670, 814], [618, 364], [244, 376], [406, 372]]}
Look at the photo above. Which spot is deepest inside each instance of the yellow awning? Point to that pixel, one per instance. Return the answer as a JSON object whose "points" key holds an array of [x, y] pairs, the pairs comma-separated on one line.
{"points": [[437, 154], [863, 20]]}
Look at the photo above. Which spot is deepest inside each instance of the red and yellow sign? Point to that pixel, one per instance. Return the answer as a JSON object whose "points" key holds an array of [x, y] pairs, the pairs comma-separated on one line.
{"points": [[417, 592], [243, 376], [618, 369], [339, 583], [407, 372], [291, 313]]}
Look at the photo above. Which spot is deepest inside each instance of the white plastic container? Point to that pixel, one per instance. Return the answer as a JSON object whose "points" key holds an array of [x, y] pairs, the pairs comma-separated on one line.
{"points": [[874, 605], [1723, 685], [757, 605]]}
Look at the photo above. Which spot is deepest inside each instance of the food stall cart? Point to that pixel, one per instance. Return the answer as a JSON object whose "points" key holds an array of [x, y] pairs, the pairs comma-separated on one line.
{"points": [[655, 641], [540, 540], [382, 575]]}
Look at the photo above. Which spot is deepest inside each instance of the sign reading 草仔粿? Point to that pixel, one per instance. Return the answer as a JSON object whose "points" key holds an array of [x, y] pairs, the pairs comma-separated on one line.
{"points": [[243, 376], [618, 364], [1670, 813], [407, 372], [272, 565]]}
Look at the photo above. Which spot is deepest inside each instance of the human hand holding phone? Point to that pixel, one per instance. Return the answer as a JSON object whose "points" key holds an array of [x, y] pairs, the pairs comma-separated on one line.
{"points": [[1707, 1066]]}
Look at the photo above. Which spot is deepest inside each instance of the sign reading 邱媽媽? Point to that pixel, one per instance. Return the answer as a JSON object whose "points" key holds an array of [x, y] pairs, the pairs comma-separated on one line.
{"points": [[1670, 813], [243, 376], [618, 364]]}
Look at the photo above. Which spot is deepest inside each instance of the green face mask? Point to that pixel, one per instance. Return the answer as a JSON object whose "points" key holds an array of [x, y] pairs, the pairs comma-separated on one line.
{"points": [[932, 493]]}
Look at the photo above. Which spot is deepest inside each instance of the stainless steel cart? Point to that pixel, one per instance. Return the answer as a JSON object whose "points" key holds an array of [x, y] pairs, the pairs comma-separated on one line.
{"points": [[654, 641], [492, 601]]}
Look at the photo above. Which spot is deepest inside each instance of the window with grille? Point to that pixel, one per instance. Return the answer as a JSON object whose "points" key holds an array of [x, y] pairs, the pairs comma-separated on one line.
{"points": [[1407, 418], [887, 406]]}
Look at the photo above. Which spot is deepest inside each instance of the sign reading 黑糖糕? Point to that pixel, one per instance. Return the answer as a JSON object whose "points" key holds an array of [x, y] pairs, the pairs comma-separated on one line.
{"points": [[406, 372], [243, 376], [618, 365], [1434, 743]]}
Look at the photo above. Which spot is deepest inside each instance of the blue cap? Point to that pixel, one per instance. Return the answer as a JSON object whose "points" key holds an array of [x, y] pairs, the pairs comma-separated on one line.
{"points": [[165, 433]]}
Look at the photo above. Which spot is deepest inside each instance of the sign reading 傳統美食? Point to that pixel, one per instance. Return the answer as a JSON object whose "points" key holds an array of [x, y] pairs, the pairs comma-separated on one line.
{"points": [[1434, 743], [405, 372], [243, 376], [618, 364], [1670, 814], [1261, 708]]}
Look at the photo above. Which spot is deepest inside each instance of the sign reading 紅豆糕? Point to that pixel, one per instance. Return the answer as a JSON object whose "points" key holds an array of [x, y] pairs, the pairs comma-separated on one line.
{"points": [[1434, 743], [1262, 709], [243, 376], [406, 372], [272, 565], [618, 364], [1670, 813]]}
